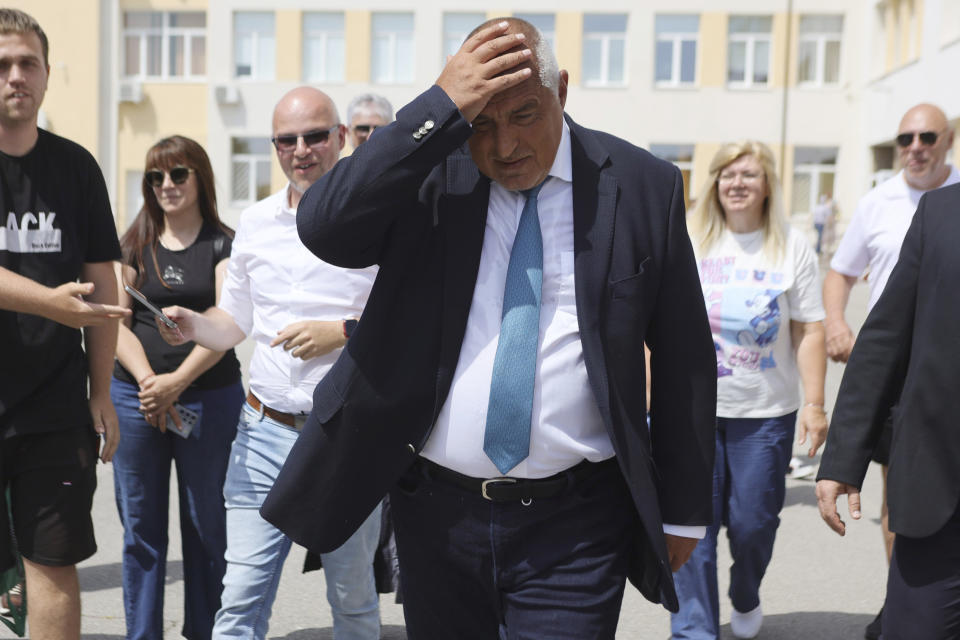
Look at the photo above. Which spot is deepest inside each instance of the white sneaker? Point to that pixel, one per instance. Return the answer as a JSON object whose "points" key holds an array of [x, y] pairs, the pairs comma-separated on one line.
{"points": [[746, 625]]}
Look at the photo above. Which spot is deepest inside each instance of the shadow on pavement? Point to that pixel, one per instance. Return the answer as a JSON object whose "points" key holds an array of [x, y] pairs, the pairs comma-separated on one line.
{"points": [[387, 632], [109, 576], [822, 625], [803, 493]]}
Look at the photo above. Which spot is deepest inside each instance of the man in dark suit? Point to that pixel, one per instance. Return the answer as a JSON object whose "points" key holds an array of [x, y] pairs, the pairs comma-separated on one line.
{"points": [[906, 358], [495, 383]]}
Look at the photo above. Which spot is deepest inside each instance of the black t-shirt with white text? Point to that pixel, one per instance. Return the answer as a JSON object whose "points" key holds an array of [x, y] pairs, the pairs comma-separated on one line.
{"points": [[56, 217]]}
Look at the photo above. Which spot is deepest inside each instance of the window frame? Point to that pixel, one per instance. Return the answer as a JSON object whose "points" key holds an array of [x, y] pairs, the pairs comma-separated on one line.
{"points": [[166, 33], [750, 40], [324, 36], [256, 74], [821, 39], [676, 39], [815, 171], [393, 77], [252, 160], [605, 38]]}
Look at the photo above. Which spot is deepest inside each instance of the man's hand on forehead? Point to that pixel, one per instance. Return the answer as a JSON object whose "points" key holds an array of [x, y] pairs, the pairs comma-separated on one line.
{"points": [[477, 71]]}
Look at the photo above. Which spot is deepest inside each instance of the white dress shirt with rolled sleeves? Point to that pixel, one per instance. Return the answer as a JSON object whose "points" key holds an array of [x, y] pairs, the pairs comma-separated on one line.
{"points": [[566, 425], [273, 281]]}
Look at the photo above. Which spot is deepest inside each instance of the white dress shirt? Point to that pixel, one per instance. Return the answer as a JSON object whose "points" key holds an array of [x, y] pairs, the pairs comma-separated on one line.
{"points": [[272, 281], [566, 426]]}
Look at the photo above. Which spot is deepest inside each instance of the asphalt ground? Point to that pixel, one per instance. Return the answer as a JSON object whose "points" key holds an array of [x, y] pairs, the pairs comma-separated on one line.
{"points": [[818, 585]]}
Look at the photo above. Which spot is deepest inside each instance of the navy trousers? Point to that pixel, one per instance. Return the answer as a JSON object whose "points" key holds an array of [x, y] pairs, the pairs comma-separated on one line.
{"points": [[475, 569], [923, 586]]}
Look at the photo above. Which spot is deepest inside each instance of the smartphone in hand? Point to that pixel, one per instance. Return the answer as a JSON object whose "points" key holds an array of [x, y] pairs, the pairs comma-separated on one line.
{"points": [[188, 420], [142, 299]]}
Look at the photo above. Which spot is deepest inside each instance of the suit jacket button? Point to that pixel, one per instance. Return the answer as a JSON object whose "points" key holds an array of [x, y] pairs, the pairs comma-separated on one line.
{"points": [[412, 448], [428, 125], [417, 135], [423, 131]]}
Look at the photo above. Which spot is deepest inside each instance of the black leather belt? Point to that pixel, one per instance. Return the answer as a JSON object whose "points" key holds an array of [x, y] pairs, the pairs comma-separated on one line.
{"points": [[507, 489]]}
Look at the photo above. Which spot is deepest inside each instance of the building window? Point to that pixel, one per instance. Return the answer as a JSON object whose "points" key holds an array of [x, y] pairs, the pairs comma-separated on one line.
{"points": [[456, 28], [254, 45], [546, 24], [392, 43], [323, 47], [819, 50], [676, 50], [748, 57], [682, 156], [165, 45], [249, 169], [814, 169], [604, 49]]}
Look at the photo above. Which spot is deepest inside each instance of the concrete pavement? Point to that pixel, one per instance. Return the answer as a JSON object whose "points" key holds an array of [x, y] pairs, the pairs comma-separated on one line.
{"points": [[818, 585]]}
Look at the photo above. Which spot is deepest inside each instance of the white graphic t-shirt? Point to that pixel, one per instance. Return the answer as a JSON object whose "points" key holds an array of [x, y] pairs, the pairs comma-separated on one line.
{"points": [[750, 303]]}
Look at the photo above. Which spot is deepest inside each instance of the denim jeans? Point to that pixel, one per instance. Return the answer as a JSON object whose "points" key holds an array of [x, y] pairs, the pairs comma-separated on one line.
{"points": [[141, 476], [256, 549], [749, 487]]}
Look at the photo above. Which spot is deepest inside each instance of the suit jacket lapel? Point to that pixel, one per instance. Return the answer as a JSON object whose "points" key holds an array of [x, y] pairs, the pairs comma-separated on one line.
{"points": [[594, 212], [462, 212]]}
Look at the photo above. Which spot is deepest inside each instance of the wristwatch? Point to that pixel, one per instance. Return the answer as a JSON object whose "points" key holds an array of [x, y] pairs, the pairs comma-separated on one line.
{"points": [[349, 324]]}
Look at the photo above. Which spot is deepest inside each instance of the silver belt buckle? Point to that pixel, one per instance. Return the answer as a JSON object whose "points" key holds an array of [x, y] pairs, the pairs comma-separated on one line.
{"points": [[486, 483]]}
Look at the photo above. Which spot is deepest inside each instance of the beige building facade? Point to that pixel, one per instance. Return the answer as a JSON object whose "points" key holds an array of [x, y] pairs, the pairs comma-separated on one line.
{"points": [[822, 82]]}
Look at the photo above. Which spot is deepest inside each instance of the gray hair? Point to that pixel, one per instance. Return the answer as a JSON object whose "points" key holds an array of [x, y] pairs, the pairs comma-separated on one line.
{"points": [[547, 67], [379, 104]]}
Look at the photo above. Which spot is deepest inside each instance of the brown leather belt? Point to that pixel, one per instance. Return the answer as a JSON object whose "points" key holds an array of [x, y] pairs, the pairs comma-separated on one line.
{"points": [[289, 419]]}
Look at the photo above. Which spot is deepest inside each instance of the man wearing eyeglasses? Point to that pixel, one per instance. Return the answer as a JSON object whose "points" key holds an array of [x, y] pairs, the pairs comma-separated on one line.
{"points": [[365, 113], [872, 242], [299, 312]]}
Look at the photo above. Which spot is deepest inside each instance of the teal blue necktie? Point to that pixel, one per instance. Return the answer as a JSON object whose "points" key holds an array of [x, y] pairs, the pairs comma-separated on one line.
{"points": [[506, 440]]}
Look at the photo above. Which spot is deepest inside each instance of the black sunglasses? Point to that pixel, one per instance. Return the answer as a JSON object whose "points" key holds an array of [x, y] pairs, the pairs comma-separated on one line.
{"points": [[178, 175], [364, 128], [288, 141], [926, 137]]}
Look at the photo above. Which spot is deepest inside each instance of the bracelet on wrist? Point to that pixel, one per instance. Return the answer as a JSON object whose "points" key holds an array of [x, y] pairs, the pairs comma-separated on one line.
{"points": [[818, 405]]}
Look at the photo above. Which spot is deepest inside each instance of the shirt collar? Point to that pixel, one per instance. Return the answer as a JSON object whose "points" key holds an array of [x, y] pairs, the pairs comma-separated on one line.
{"points": [[284, 208], [563, 164]]}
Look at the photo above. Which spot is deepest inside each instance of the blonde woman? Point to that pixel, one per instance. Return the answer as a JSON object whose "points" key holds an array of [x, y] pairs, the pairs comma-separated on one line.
{"points": [[762, 291]]}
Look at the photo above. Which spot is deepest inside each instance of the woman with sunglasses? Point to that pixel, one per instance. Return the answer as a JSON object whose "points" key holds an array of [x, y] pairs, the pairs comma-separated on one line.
{"points": [[762, 291], [175, 252]]}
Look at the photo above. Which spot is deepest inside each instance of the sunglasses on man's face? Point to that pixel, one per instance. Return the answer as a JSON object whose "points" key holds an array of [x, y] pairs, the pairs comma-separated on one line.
{"points": [[927, 138], [364, 128], [288, 141], [178, 175]]}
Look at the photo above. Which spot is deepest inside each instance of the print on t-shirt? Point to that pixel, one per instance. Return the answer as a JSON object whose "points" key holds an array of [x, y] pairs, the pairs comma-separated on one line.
{"points": [[744, 316], [33, 233], [173, 275]]}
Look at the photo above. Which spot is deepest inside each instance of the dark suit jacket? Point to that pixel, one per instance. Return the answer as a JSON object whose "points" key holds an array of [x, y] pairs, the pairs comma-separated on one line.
{"points": [[907, 358], [418, 208]]}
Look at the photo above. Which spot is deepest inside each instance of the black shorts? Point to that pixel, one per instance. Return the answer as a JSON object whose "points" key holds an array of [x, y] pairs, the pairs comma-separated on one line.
{"points": [[51, 477], [881, 452]]}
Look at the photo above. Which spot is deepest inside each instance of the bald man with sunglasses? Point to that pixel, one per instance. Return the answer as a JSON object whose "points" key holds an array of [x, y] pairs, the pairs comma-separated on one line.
{"points": [[299, 311], [872, 243]]}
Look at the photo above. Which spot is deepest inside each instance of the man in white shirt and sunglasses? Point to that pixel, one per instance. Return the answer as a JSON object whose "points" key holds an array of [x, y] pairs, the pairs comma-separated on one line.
{"points": [[872, 242], [299, 311]]}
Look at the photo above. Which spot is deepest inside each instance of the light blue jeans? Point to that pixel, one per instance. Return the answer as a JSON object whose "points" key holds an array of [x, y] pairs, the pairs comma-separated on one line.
{"points": [[256, 549]]}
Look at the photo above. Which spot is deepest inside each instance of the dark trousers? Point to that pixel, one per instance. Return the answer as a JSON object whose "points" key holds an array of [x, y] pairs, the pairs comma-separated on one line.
{"points": [[472, 568], [923, 587]]}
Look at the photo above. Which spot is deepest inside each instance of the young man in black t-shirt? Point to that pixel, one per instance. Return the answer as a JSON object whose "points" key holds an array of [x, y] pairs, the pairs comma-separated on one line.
{"points": [[56, 229]]}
